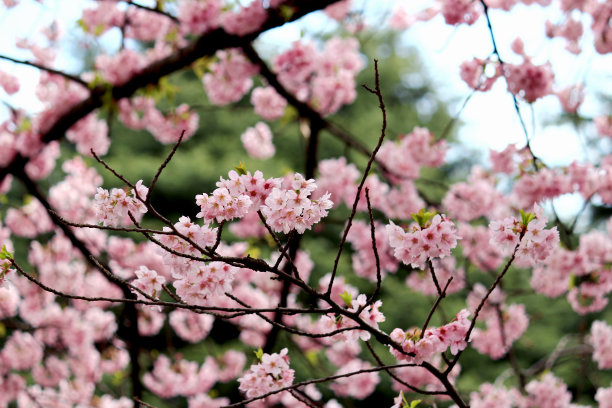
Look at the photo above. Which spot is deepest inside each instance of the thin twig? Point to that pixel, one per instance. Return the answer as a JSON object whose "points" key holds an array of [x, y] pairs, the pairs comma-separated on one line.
{"points": [[163, 166], [433, 276], [484, 300], [151, 9], [399, 380], [441, 296], [381, 102], [374, 248], [109, 168]]}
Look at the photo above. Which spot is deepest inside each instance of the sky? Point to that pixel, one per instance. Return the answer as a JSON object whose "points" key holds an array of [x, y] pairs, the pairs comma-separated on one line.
{"points": [[488, 120]]}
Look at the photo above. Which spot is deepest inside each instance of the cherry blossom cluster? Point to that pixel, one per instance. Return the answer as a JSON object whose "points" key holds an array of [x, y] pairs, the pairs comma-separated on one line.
{"points": [[418, 347], [475, 198], [548, 392], [529, 81], [535, 243], [257, 141], [114, 207], [583, 273], [229, 78], [29, 220], [292, 209], [418, 376], [474, 74], [358, 386], [183, 377], [601, 340], [477, 247], [526, 80], [235, 197], [271, 373], [267, 103], [325, 79], [433, 239], [140, 113], [364, 261], [8, 82], [369, 313], [148, 281], [195, 282], [503, 324], [414, 150], [341, 181]]}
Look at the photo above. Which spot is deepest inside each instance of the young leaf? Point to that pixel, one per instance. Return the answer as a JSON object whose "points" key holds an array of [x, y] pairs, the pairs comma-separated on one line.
{"points": [[348, 299], [526, 218], [241, 169], [5, 254], [259, 353]]}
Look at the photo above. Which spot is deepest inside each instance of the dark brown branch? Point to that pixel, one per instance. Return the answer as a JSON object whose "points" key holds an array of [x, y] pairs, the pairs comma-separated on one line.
{"points": [[235, 312], [205, 45], [443, 378], [47, 69], [318, 381]]}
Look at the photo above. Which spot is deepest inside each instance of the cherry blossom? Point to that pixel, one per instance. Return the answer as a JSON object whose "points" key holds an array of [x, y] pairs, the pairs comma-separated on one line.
{"points": [[271, 373]]}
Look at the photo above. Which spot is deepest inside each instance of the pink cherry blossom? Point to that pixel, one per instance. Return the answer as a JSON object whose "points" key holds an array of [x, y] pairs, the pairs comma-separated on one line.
{"points": [[257, 141], [270, 374], [267, 103], [418, 244]]}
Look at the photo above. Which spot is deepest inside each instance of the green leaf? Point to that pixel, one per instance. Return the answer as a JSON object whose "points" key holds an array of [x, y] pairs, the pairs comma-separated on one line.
{"points": [[201, 66], [99, 30], [313, 357], [414, 403], [526, 218], [24, 125], [82, 24], [422, 217], [338, 319], [348, 299], [572, 281], [241, 169], [5, 254], [259, 353], [118, 377], [404, 401], [290, 115], [286, 12]]}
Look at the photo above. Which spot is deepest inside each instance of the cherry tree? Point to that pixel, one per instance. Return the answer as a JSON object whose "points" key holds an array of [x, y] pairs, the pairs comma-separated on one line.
{"points": [[90, 275]]}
